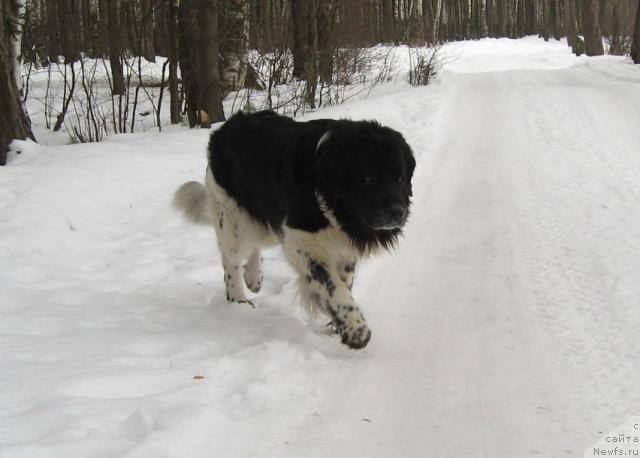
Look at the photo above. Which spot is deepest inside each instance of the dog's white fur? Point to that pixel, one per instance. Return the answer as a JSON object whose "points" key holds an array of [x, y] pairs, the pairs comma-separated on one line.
{"points": [[325, 260]]}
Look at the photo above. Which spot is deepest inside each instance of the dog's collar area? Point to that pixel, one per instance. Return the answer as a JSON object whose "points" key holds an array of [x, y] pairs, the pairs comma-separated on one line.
{"points": [[322, 140]]}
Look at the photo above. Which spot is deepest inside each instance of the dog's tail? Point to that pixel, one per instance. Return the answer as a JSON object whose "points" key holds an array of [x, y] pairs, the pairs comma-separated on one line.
{"points": [[191, 200]]}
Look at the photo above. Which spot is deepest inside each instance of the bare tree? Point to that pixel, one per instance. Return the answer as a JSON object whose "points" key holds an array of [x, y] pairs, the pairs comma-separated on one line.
{"points": [[173, 51], [571, 26], [112, 16], [14, 122], [635, 48], [530, 8], [188, 45], [324, 22], [427, 20], [209, 102], [388, 33], [483, 29], [592, 33], [233, 47], [300, 48]]}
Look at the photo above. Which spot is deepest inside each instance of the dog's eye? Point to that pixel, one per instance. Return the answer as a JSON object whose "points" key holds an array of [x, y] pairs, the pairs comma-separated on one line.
{"points": [[400, 180], [369, 180]]}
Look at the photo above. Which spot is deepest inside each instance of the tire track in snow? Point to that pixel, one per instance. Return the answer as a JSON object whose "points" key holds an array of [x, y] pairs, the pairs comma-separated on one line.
{"points": [[486, 320], [584, 216]]}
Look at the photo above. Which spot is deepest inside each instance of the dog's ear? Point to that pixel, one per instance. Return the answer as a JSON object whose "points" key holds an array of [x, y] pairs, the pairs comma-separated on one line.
{"points": [[327, 165], [407, 156], [411, 161], [401, 145], [411, 164]]}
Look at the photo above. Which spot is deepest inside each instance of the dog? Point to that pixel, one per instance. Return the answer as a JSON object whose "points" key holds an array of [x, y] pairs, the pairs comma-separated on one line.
{"points": [[331, 192]]}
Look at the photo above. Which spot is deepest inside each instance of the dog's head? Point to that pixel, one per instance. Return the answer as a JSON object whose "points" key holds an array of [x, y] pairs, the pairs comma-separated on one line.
{"points": [[364, 174]]}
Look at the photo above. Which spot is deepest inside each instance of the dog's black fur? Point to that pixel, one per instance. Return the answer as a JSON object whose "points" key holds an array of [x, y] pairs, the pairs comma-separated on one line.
{"points": [[275, 168]]}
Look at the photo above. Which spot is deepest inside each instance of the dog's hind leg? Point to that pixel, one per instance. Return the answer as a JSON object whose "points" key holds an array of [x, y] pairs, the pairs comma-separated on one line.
{"points": [[234, 252], [234, 232], [253, 271]]}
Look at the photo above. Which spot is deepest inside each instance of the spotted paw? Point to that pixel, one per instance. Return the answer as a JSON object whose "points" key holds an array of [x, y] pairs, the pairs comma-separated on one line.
{"points": [[356, 337], [240, 300], [350, 324], [254, 285], [247, 302]]}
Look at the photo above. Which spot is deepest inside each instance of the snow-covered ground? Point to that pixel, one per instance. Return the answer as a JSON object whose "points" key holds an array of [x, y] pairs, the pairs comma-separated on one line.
{"points": [[505, 324]]}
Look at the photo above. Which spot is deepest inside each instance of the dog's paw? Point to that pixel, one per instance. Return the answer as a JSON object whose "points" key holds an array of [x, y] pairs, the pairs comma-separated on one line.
{"points": [[254, 284], [356, 338], [253, 274], [350, 324], [240, 300], [247, 301]]}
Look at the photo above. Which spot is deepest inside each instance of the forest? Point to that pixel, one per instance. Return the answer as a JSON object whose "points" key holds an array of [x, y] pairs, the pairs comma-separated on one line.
{"points": [[208, 49]]}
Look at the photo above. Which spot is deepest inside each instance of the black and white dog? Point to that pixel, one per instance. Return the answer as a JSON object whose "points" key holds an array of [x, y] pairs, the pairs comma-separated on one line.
{"points": [[330, 191]]}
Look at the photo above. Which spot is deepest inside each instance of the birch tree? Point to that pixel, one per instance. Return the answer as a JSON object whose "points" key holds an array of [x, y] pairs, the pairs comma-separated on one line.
{"points": [[173, 52], [14, 122], [483, 30]]}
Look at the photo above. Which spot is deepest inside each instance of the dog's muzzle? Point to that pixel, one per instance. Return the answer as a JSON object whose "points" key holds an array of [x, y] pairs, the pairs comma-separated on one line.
{"points": [[393, 216]]}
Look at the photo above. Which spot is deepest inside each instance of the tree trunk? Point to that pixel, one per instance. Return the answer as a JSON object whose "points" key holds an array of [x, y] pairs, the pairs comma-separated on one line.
{"points": [[267, 24], [510, 14], [437, 16], [254, 25], [556, 19], [311, 65], [592, 34], [67, 31], [53, 31], [635, 48], [234, 47], [546, 23], [15, 42], [427, 20], [173, 47], [483, 30], [387, 21], [209, 102], [300, 18], [115, 46], [188, 56], [521, 19], [571, 26], [324, 23], [146, 30], [14, 122], [531, 17]]}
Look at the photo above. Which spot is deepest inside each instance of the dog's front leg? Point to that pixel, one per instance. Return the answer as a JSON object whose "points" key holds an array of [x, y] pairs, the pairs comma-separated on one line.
{"points": [[334, 296], [322, 286], [347, 271]]}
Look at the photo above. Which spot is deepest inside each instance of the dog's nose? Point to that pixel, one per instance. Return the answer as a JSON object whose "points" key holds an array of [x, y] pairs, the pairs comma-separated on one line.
{"points": [[396, 213]]}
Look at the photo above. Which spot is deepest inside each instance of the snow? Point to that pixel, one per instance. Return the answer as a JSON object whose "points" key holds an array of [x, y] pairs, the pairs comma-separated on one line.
{"points": [[505, 324]]}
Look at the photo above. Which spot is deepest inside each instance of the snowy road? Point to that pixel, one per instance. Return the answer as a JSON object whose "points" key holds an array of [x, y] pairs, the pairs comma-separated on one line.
{"points": [[509, 315], [505, 324]]}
